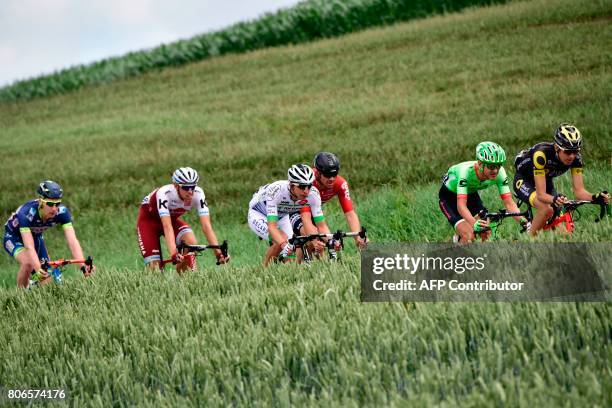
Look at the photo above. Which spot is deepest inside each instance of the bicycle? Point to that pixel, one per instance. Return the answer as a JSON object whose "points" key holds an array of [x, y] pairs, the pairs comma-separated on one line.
{"points": [[55, 269], [300, 242], [196, 250], [563, 214], [496, 219]]}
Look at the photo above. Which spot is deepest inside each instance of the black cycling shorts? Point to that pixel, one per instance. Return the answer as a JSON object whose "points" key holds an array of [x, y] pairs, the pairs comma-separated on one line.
{"points": [[525, 190], [297, 224], [448, 205]]}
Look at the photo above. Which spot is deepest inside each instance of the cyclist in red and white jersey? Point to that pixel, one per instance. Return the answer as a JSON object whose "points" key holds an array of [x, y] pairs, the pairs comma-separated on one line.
{"points": [[273, 205], [330, 184], [160, 214]]}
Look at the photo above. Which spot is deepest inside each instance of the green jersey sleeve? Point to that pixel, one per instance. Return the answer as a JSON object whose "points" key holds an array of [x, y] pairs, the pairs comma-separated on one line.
{"points": [[502, 183]]}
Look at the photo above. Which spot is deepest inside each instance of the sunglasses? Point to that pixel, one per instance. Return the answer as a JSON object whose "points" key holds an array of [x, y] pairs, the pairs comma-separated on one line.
{"points": [[52, 203], [571, 151], [188, 188], [303, 186], [329, 175], [493, 166]]}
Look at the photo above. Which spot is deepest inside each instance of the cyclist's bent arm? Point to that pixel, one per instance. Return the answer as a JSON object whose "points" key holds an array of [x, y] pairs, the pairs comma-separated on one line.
{"points": [[209, 233], [28, 244], [73, 243], [512, 207], [353, 221], [322, 227], [309, 227], [578, 186], [540, 186], [464, 211], [168, 234], [275, 234]]}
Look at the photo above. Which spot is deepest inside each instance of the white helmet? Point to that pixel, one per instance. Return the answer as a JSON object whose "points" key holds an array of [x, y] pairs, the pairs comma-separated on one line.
{"points": [[300, 174], [185, 176]]}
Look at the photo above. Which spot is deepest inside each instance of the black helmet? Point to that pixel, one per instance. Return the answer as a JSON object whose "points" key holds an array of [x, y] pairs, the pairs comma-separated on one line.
{"points": [[568, 137], [327, 163], [50, 190]]}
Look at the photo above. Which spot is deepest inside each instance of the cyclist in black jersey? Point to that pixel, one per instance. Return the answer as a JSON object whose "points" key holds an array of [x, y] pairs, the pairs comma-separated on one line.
{"points": [[537, 166]]}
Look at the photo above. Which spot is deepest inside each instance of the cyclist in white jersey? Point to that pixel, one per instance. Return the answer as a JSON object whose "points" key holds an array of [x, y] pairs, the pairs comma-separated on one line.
{"points": [[271, 207]]}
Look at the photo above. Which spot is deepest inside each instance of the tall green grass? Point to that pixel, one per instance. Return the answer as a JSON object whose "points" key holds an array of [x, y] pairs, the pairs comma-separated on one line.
{"points": [[399, 105], [307, 21], [291, 335]]}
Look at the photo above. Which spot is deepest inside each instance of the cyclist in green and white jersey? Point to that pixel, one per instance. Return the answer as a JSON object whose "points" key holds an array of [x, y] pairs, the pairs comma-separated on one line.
{"points": [[272, 205], [459, 199]]}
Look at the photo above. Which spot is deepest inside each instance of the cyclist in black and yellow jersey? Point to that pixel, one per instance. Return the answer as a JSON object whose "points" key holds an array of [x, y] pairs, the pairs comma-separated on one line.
{"points": [[537, 166]]}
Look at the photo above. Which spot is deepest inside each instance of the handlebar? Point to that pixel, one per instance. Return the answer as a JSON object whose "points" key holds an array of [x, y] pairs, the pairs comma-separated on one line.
{"points": [[572, 205], [185, 248], [498, 216], [63, 262], [338, 235], [199, 248]]}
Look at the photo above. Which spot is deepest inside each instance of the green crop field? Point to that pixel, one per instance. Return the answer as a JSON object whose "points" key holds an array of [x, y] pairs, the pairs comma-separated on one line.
{"points": [[399, 105]]}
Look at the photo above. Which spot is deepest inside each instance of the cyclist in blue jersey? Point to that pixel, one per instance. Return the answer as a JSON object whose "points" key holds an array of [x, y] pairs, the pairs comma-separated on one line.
{"points": [[23, 232]]}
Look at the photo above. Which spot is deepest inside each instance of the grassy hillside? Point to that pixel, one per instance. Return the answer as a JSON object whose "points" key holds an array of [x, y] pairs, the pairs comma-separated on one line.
{"points": [[398, 105], [307, 21]]}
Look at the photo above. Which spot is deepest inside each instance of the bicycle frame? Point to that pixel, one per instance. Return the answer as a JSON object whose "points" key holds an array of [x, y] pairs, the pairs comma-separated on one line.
{"points": [[563, 218]]}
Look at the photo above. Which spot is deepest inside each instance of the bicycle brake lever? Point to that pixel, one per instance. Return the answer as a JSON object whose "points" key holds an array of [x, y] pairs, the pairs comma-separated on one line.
{"points": [[362, 233], [224, 248]]}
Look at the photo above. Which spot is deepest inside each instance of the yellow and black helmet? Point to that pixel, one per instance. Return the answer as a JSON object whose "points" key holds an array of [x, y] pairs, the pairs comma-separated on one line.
{"points": [[568, 137]]}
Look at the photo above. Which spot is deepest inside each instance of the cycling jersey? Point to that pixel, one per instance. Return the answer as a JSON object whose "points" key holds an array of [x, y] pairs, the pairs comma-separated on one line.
{"points": [[165, 202], [274, 201], [340, 188], [27, 218], [542, 160], [462, 180]]}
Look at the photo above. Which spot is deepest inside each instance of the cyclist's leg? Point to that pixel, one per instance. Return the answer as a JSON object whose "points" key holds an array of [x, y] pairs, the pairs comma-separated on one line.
{"points": [[526, 192], [41, 251], [13, 245], [297, 227], [258, 223], [475, 205], [448, 206], [149, 231], [284, 225], [185, 234]]}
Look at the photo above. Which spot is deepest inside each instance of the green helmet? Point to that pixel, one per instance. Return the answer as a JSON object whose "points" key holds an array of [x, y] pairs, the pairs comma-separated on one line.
{"points": [[490, 153]]}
